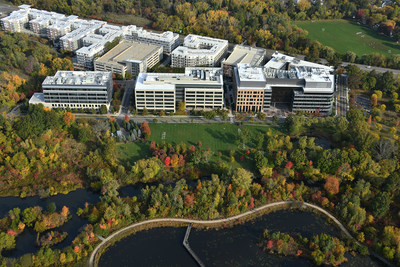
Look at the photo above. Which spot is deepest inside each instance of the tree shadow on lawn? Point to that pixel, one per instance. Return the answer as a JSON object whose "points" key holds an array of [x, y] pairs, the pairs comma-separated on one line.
{"points": [[392, 45], [142, 152], [228, 138]]}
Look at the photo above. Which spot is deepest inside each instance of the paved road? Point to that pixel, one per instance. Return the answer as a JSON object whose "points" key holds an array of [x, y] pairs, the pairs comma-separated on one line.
{"points": [[126, 99], [342, 95], [91, 262]]}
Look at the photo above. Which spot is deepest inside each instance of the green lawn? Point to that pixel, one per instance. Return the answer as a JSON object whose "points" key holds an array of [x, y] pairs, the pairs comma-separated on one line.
{"points": [[218, 137], [344, 35]]}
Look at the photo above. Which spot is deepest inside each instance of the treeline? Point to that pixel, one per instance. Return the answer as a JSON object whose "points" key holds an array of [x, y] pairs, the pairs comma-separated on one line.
{"points": [[47, 152], [24, 63]]}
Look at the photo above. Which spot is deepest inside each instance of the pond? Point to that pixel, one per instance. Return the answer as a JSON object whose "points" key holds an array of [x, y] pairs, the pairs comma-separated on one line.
{"points": [[235, 246]]}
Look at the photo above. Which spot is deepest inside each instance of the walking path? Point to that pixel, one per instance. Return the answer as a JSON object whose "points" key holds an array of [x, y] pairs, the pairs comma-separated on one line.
{"points": [[189, 249], [91, 262]]}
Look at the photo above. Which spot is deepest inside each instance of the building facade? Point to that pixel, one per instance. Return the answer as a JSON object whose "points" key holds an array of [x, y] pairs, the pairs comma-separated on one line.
{"points": [[129, 57], [76, 89], [284, 83], [199, 51], [199, 88]]}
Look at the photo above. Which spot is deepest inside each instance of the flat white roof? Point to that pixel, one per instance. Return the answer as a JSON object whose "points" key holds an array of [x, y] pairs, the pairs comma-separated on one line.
{"points": [[167, 81], [195, 45], [279, 60], [245, 55], [248, 73], [97, 78]]}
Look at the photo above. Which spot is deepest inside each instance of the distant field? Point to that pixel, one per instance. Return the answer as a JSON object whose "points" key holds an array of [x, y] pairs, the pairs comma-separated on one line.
{"points": [[218, 137], [344, 35], [130, 19]]}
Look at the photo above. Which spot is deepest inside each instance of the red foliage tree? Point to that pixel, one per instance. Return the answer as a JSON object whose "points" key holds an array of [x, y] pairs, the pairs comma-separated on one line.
{"points": [[289, 164], [145, 128], [167, 161], [332, 185], [189, 200], [199, 144], [126, 118], [241, 157], [152, 146], [192, 149]]}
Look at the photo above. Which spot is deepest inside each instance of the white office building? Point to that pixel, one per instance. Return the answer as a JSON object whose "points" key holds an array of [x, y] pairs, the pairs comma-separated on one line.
{"points": [[129, 57], [200, 88], [75, 89], [199, 51]]}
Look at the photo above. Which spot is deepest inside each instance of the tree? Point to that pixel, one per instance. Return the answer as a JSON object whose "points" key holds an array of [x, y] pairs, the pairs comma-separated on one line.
{"points": [[261, 116], [181, 106], [241, 178], [84, 134], [51, 207], [145, 128], [6, 241], [381, 204], [103, 109], [332, 185], [374, 100], [126, 118], [68, 118]]}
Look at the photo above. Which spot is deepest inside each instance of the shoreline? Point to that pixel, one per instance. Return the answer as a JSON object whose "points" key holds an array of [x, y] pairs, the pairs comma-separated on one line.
{"points": [[179, 222]]}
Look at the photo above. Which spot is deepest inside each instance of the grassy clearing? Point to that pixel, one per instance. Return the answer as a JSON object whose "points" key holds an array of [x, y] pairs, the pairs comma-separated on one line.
{"points": [[130, 19], [218, 137], [344, 35]]}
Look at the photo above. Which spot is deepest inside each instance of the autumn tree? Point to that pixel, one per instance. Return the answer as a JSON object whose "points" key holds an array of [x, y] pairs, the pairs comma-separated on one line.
{"points": [[374, 100], [145, 128], [332, 185], [126, 118], [68, 118], [241, 178]]}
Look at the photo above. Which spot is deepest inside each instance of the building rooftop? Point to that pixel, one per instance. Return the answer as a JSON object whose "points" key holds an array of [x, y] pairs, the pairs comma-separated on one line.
{"points": [[37, 98], [78, 78], [195, 45], [195, 76], [249, 73], [245, 55], [126, 50], [279, 61]]}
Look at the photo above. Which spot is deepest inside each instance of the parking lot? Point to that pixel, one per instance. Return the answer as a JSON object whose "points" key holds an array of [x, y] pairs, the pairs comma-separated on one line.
{"points": [[6, 9]]}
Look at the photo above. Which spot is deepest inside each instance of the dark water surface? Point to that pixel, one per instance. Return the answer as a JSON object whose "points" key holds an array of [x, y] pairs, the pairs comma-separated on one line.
{"points": [[25, 242], [235, 246]]}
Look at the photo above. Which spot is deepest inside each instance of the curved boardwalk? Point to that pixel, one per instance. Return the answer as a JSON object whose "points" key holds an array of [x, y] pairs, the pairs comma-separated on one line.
{"points": [[218, 221]]}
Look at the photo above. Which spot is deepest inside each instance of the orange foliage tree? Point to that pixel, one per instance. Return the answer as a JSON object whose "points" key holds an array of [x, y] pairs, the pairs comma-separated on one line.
{"points": [[332, 185], [68, 118]]}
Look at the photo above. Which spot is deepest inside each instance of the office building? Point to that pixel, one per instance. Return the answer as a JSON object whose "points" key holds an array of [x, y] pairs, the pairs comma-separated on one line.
{"points": [[285, 83], [200, 88], [75, 89], [129, 57], [252, 56], [168, 40], [199, 51]]}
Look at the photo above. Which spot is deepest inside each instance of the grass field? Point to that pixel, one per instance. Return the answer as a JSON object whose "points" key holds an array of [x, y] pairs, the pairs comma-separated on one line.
{"points": [[344, 35], [218, 137]]}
